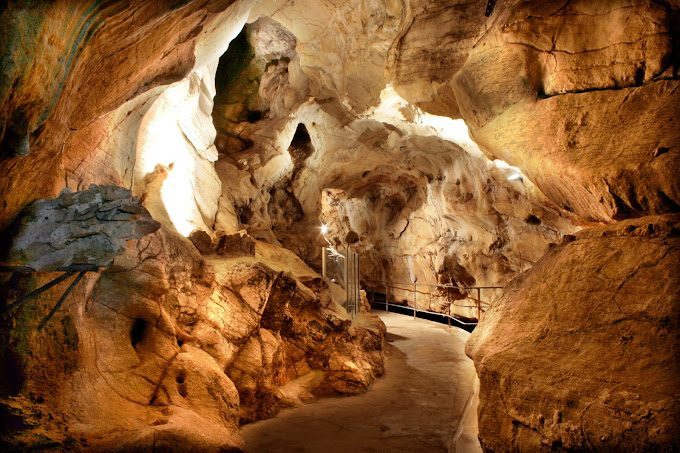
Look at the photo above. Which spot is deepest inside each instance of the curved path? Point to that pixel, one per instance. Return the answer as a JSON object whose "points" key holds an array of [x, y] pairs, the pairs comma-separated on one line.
{"points": [[418, 406]]}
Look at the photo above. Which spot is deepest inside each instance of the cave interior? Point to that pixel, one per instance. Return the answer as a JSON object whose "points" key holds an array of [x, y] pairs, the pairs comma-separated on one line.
{"points": [[216, 213]]}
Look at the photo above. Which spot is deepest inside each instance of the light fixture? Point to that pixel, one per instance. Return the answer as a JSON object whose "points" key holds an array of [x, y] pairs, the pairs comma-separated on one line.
{"points": [[324, 229]]}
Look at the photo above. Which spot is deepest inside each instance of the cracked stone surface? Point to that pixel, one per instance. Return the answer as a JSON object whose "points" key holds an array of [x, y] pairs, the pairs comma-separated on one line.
{"points": [[588, 103], [166, 349], [90, 227], [581, 351], [553, 116]]}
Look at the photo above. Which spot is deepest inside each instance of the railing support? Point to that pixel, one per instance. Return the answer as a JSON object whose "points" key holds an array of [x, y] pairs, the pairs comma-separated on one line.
{"points": [[415, 300], [479, 304], [387, 297]]}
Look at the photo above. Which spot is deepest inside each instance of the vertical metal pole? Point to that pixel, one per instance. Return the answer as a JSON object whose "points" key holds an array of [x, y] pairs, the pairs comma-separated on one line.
{"points": [[324, 264], [415, 303], [346, 280], [387, 298], [356, 257], [352, 281], [479, 304], [350, 291], [448, 320]]}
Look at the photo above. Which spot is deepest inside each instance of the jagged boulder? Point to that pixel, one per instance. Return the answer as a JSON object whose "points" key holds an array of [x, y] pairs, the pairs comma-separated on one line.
{"points": [[87, 227], [167, 348], [581, 352]]}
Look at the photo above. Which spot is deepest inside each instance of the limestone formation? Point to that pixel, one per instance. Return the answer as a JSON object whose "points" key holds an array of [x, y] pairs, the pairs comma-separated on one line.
{"points": [[581, 352], [443, 144], [589, 103], [171, 349], [90, 227]]}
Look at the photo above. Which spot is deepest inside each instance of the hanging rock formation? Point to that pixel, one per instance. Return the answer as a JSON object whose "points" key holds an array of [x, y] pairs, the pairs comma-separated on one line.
{"points": [[166, 348], [90, 227]]}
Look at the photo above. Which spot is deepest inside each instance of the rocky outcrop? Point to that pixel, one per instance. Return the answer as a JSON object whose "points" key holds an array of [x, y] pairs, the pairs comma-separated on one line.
{"points": [[59, 110], [435, 39], [572, 93], [90, 227], [415, 206], [166, 348], [581, 351], [320, 115]]}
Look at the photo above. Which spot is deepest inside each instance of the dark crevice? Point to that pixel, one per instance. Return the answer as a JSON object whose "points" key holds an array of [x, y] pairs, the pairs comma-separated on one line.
{"points": [[138, 331]]}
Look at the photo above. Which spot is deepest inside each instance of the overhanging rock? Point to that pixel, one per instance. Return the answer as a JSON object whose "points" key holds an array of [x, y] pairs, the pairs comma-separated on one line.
{"points": [[89, 227]]}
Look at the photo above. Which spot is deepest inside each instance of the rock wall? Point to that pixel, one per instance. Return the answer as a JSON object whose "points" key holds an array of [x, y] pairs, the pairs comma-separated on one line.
{"points": [[323, 114], [422, 203], [581, 352], [67, 67], [588, 138], [167, 349]]}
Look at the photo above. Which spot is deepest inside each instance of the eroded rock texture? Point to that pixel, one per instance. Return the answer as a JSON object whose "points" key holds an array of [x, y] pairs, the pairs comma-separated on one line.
{"points": [[167, 349], [582, 352], [422, 203], [274, 117], [589, 103], [90, 227]]}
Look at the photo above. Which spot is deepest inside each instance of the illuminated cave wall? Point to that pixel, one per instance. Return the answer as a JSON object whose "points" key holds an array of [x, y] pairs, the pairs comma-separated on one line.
{"points": [[176, 153]]}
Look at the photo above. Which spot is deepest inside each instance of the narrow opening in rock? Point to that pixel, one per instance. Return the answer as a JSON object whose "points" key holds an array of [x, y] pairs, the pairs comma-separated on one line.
{"points": [[137, 331]]}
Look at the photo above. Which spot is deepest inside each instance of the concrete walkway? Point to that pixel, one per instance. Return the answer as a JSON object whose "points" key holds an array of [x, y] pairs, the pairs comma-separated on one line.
{"points": [[424, 403]]}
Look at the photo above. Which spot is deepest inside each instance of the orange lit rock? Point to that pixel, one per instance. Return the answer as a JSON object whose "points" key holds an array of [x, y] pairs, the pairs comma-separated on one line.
{"points": [[580, 352]]}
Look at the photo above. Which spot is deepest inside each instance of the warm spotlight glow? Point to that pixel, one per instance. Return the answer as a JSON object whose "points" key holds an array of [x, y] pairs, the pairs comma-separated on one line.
{"points": [[511, 173], [174, 136], [324, 229], [395, 110], [163, 145]]}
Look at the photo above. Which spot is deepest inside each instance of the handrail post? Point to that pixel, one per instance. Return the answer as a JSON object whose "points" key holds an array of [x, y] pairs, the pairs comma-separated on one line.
{"points": [[324, 264], [479, 304], [346, 280], [415, 304], [356, 307], [387, 298]]}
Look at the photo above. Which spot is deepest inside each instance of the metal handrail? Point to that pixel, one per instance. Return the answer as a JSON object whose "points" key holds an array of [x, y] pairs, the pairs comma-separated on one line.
{"points": [[418, 310], [432, 285], [412, 288]]}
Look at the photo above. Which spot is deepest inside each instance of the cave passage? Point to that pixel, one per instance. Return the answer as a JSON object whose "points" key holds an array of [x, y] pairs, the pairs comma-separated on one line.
{"points": [[423, 403], [250, 183]]}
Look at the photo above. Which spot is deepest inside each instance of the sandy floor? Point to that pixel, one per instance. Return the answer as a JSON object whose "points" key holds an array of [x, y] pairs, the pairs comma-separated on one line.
{"points": [[417, 406]]}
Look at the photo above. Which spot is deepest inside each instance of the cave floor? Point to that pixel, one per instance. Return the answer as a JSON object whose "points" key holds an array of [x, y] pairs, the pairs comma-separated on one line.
{"points": [[417, 406]]}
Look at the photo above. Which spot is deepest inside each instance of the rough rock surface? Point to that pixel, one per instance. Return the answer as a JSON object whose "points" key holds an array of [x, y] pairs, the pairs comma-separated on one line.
{"points": [[166, 349], [309, 127], [57, 108], [581, 352], [433, 43], [589, 104], [88, 227]]}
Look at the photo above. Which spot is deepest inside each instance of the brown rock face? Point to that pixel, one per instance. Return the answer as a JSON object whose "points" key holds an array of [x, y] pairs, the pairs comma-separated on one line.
{"points": [[164, 348], [52, 50], [317, 113], [582, 351], [433, 44], [579, 111]]}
